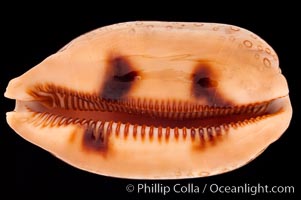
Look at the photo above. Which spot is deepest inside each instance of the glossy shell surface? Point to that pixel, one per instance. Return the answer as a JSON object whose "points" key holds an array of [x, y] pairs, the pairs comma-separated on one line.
{"points": [[155, 100]]}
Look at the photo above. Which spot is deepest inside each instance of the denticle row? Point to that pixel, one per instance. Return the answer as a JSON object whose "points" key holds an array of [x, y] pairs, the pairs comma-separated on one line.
{"points": [[100, 129]]}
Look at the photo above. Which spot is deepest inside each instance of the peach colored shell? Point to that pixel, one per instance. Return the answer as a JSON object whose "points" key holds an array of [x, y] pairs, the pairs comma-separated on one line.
{"points": [[155, 100]]}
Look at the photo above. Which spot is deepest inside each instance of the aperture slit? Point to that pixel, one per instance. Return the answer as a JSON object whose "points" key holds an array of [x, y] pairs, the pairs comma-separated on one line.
{"points": [[56, 106]]}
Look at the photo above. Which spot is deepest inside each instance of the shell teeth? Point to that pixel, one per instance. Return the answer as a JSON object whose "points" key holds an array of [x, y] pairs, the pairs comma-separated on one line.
{"points": [[57, 97], [100, 130]]}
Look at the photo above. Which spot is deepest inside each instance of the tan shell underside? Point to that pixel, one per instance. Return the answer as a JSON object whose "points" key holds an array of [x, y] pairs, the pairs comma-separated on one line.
{"points": [[155, 100]]}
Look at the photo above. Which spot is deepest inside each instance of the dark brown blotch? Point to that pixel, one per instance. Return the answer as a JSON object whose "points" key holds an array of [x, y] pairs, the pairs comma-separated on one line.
{"points": [[207, 82], [91, 142], [120, 78], [205, 85]]}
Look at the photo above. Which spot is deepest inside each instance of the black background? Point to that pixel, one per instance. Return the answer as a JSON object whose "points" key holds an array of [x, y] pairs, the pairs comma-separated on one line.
{"points": [[30, 35]]}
